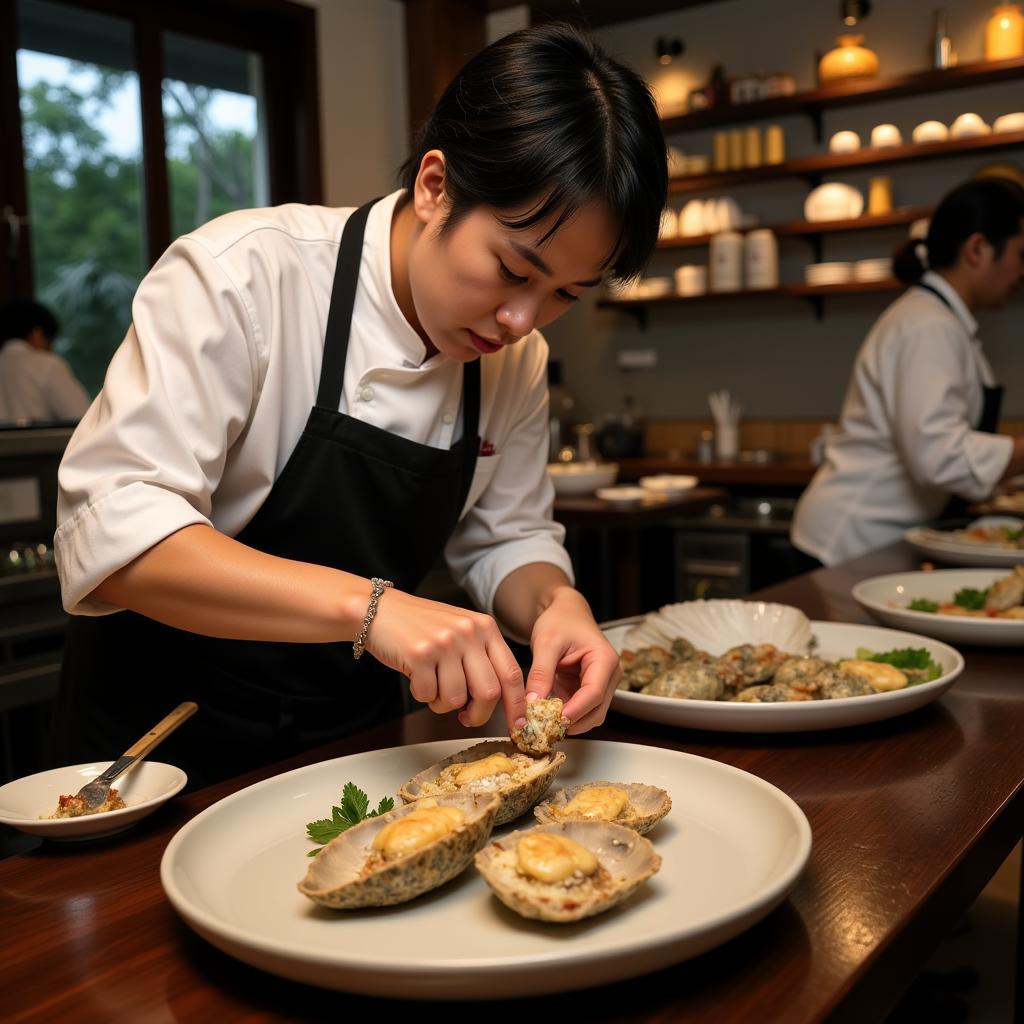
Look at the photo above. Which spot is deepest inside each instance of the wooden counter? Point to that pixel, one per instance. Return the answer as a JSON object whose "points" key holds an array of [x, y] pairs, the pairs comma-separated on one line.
{"points": [[780, 473]]}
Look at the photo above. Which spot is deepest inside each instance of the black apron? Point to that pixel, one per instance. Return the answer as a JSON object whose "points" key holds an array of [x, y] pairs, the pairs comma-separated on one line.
{"points": [[351, 496], [992, 401]]}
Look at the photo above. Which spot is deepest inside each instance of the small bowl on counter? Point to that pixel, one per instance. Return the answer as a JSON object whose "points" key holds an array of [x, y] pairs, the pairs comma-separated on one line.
{"points": [[572, 479], [624, 496], [668, 485]]}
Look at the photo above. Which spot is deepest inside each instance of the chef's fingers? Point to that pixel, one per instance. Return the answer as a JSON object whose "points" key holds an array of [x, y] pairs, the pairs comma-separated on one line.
{"points": [[599, 675], [451, 685], [510, 679], [484, 689], [543, 669], [423, 684]]}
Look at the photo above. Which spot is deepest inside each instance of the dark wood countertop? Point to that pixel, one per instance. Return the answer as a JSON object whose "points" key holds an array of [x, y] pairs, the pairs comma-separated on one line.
{"points": [[910, 818], [781, 472]]}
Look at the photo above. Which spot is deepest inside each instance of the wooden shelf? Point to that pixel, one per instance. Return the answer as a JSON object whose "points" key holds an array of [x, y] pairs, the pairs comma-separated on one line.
{"points": [[843, 94], [815, 167], [811, 229]]}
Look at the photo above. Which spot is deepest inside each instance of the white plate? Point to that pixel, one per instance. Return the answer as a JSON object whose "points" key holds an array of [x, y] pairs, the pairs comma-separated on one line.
{"points": [[575, 478], [143, 789], [622, 497], [886, 598], [964, 552], [732, 848], [835, 640], [668, 485]]}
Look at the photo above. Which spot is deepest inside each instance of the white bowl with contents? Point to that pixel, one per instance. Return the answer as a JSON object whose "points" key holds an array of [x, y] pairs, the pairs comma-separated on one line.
{"points": [[576, 478], [668, 485], [26, 803]]}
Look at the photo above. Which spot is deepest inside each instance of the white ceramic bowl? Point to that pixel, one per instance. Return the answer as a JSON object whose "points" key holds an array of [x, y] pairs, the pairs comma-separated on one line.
{"points": [[930, 131], [833, 201], [622, 497], [844, 142], [967, 125], [885, 135], [887, 597], [1009, 122], [144, 788], [668, 485], [574, 478]]}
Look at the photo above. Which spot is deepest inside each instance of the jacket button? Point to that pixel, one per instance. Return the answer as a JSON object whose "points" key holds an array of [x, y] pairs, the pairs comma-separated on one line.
{"points": [[366, 394]]}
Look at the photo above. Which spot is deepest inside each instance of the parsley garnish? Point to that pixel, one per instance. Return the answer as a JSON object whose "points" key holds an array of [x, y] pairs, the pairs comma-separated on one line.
{"points": [[971, 599], [915, 661], [353, 809], [922, 604]]}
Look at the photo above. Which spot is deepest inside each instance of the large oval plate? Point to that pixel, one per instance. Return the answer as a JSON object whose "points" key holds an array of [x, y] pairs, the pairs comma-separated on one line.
{"points": [[834, 640], [732, 848], [886, 598], [942, 547]]}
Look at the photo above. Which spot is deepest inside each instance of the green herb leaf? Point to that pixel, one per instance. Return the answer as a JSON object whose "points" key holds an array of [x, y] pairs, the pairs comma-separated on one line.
{"points": [[353, 809], [922, 604], [973, 600], [915, 661]]}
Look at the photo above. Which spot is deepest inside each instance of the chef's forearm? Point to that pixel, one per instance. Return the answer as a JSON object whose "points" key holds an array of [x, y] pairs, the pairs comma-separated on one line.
{"points": [[1016, 464], [203, 581], [528, 591]]}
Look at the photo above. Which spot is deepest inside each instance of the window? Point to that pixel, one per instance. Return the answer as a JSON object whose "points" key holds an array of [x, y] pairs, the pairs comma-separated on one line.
{"points": [[134, 123]]}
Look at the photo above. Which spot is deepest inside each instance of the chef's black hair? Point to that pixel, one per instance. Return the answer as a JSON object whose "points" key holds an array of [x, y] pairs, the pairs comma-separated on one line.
{"points": [[19, 318], [993, 206], [545, 117]]}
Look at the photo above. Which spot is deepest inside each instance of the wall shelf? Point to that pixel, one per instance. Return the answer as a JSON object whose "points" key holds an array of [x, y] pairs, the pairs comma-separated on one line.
{"points": [[813, 168], [813, 229], [814, 102]]}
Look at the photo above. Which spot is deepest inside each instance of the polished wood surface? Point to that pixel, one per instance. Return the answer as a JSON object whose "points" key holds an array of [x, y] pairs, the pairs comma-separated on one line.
{"points": [[590, 511], [795, 472], [910, 819]]}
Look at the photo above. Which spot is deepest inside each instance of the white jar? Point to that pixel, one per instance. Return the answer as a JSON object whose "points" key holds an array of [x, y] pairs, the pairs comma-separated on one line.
{"points": [[691, 280], [761, 259], [726, 261]]}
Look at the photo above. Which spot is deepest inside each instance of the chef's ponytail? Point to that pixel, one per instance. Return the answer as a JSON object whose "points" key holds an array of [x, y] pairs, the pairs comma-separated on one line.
{"points": [[544, 120], [992, 206]]}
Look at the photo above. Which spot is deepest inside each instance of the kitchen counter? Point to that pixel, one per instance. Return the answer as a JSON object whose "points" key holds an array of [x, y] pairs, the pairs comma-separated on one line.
{"points": [[910, 818], [777, 473]]}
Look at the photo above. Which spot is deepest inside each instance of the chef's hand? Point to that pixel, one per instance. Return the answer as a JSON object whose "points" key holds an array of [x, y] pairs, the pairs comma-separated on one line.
{"points": [[573, 660], [454, 657]]}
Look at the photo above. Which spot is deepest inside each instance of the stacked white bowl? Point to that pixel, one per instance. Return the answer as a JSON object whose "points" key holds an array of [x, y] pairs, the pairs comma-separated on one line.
{"points": [[828, 273], [873, 270]]}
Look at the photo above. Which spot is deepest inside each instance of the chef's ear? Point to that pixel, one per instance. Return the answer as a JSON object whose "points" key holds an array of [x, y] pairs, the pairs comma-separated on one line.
{"points": [[977, 251], [428, 191]]}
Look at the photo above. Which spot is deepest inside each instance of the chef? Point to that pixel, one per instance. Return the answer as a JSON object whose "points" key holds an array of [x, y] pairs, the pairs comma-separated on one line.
{"points": [[312, 404], [917, 426]]}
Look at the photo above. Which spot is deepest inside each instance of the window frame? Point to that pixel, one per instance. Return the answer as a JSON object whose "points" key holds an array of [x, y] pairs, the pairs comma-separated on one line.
{"points": [[281, 32]]}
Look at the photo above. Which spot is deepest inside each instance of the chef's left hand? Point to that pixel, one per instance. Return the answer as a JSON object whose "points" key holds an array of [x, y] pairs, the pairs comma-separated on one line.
{"points": [[573, 660]]}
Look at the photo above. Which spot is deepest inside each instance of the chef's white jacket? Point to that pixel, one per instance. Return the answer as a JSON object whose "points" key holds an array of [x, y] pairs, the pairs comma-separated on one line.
{"points": [[36, 384], [905, 441], [206, 397]]}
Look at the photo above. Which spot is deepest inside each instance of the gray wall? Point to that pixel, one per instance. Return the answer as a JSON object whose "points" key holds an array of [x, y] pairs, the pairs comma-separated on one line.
{"points": [[773, 354]]}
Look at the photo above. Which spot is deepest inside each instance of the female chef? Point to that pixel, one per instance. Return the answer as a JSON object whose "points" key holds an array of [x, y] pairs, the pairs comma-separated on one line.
{"points": [[918, 422], [312, 404]]}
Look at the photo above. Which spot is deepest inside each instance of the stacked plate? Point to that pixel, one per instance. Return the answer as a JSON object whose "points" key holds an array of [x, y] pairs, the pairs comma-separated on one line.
{"points": [[828, 273], [873, 270]]}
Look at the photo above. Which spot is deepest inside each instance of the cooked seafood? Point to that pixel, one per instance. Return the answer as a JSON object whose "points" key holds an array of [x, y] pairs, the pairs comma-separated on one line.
{"points": [[633, 804], [544, 727], [76, 807], [494, 766], [691, 680], [1006, 536], [569, 870], [401, 854], [1003, 600]]}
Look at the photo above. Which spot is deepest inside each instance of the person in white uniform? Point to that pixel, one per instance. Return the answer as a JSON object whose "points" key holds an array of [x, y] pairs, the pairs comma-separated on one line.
{"points": [[312, 404], [918, 423], [36, 384]]}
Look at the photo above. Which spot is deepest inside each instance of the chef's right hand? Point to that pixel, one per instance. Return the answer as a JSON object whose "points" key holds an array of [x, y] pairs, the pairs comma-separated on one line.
{"points": [[454, 657]]}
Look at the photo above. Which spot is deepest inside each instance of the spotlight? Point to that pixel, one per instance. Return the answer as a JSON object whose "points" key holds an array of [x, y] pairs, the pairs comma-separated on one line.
{"points": [[852, 11], [666, 50]]}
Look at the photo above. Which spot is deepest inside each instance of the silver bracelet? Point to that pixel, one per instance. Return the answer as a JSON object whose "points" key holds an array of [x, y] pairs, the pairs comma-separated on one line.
{"points": [[379, 586]]}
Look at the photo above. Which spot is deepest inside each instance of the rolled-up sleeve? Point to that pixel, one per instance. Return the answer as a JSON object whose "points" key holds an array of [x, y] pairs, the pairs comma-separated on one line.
{"points": [[510, 524], [146, 458], [925, 388]]}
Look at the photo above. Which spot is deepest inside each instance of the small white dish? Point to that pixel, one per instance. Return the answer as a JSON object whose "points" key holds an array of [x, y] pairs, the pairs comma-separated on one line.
{"points": [[942, 546], [887, 598], [574, 478], [844, 142], [930, 131], [828, 273], [884, 136], [655, 287], [691, 219], [623, 496], [691, 280], [873, 269], [1009, 122], [25, 802], [668, 485], [968, 125]]}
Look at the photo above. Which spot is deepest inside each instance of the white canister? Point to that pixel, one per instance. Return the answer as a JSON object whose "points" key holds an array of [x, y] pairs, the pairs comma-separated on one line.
{"points": [[761, 259], [727, 441], [691, 280], [726, 261]]}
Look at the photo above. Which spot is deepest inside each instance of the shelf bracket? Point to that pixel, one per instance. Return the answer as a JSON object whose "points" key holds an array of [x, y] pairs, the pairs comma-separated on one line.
{"points": [[639, 313], [817, 122], [818, 305]]}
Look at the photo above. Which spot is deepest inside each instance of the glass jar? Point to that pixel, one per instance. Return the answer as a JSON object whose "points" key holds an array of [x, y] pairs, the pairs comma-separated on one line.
{"points": [[1004, 33]]}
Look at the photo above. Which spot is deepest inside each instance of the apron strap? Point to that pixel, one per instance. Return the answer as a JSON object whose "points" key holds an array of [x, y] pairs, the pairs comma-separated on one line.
{"points": [[339, 317]]}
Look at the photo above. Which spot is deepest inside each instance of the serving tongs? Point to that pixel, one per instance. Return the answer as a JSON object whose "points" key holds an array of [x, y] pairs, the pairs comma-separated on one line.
{"points": [[96, 792]]}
